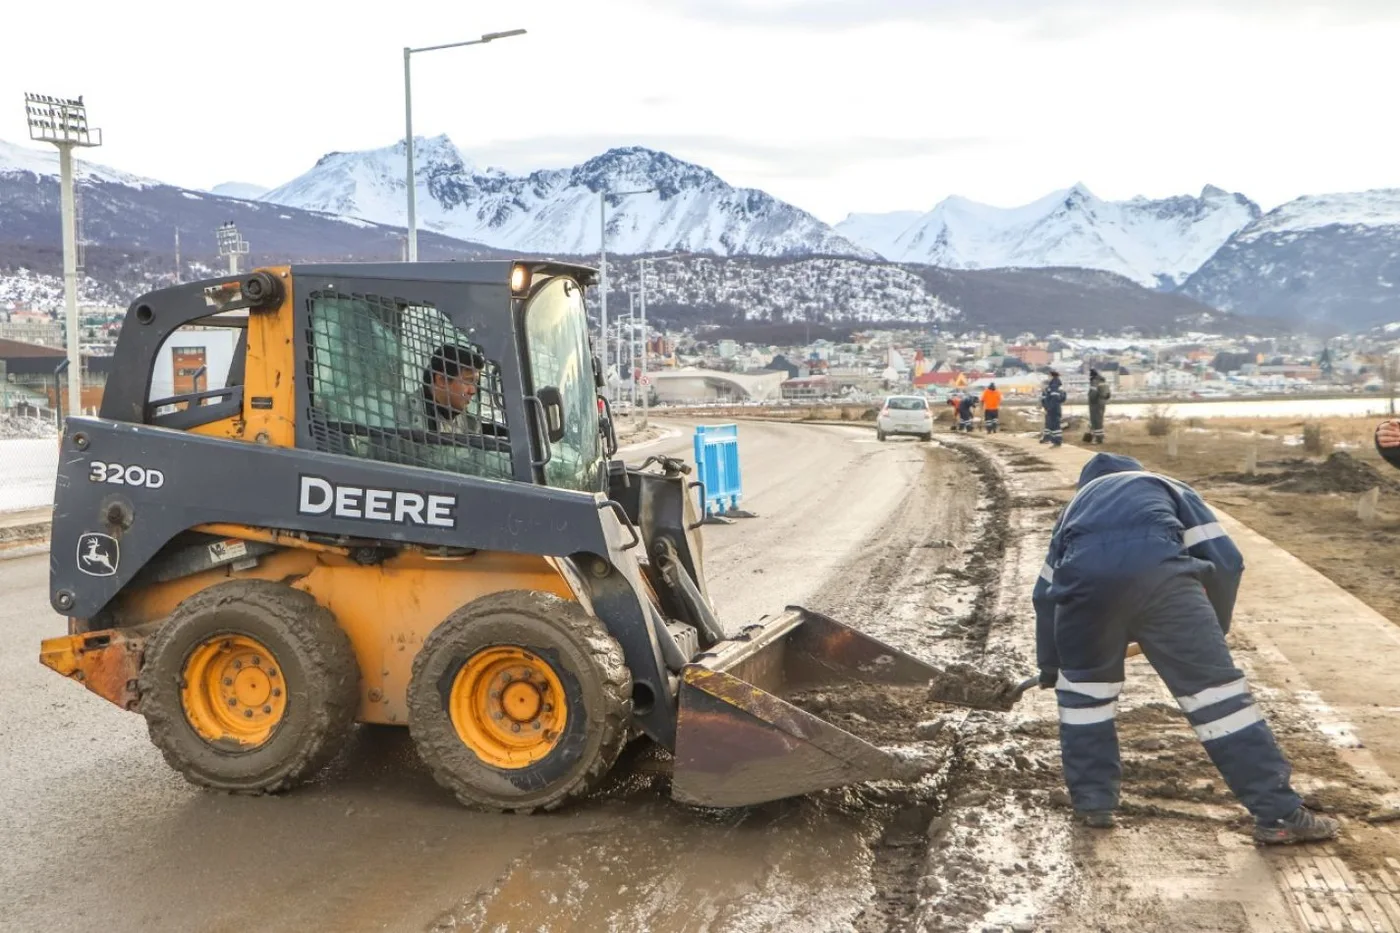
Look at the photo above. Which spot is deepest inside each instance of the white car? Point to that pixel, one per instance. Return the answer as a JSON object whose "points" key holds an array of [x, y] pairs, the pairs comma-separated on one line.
{"points": [[905, 414]]}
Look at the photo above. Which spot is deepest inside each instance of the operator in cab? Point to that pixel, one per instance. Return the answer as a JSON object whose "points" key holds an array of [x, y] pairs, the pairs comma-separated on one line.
{"points": [[451, 382], [1139, 557]]}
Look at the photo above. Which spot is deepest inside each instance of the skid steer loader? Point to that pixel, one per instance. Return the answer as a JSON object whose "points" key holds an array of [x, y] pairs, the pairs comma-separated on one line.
{"points": [[390, 501]]}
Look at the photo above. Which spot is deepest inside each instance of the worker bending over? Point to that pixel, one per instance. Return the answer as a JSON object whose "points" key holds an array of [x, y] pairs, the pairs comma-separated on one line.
{"points": [[965, 408], [1138, 557], [991, 409]]}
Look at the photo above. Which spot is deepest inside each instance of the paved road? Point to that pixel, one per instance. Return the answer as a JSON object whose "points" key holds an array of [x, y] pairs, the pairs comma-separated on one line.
{"points": [[98, 833]]}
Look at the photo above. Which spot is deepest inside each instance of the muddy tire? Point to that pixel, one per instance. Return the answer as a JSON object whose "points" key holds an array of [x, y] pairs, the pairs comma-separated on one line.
{"points": [[564, 644], [879, 435], [310, 665], [928, 436]]}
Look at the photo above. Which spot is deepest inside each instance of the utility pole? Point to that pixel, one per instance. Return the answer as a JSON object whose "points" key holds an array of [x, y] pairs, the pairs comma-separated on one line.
{"points": [[632, 346], [63, 122], [646, 334], [411, 183], [603, 196]]}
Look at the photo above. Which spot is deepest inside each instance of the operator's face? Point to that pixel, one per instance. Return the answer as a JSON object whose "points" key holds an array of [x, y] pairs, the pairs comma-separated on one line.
{"points": [[455, 392]]}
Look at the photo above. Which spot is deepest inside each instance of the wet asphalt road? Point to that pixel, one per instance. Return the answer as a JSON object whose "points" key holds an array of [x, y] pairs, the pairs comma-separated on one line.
{"points": [[97, 833]]}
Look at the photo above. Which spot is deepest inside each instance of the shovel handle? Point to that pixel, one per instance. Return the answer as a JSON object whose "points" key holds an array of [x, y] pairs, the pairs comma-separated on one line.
{"points": [[1023, 686]]}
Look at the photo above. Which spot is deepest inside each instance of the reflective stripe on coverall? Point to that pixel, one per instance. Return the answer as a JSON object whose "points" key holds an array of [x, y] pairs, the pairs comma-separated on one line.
{"points": [[1140, 557], [1052, 399]]}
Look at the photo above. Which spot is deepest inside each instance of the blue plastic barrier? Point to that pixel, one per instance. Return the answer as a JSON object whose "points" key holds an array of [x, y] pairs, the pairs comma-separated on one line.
{"points": [[717, 467]]}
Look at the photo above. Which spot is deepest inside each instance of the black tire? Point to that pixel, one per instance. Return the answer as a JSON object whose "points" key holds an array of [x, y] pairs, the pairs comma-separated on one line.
{"points": [[316, 663], [588, 662], [880, 435], [928, 436]]}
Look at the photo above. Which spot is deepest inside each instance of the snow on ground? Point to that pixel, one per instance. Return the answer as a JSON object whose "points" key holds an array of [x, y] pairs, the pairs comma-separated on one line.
{"points": [[27, 469]]}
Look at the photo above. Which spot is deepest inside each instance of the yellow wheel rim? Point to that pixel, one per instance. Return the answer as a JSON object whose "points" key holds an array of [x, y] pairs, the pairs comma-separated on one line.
{"points": [[508, 706], [233, 691]]}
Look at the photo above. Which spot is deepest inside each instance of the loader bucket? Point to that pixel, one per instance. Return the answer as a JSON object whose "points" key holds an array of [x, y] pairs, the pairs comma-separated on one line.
{"points": [[738, 742]]}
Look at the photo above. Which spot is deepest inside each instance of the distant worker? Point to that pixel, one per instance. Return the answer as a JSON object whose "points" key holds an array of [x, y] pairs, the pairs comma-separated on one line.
{"points": [[1098, 400], [991, 408], [965, 409], [954, 400], [1388, 441], [1052, 399], [1138, 557]]}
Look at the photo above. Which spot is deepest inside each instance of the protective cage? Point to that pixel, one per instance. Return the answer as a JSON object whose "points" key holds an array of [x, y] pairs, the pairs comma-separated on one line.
{"points": [[375, 370]]}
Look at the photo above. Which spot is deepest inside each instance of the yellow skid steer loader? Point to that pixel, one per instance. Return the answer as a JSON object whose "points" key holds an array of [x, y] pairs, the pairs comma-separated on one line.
{"points": [[324, 494]]}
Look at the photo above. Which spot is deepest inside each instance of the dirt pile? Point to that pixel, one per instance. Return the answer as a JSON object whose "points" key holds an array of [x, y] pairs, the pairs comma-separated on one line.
{"points": [[13, 427], [877, 713], [1340, 473]]}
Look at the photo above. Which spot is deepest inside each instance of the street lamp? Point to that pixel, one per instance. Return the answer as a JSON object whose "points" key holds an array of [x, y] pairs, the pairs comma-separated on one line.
{"points": [[408, 124], [63, 122], [642, 278], [231, 245], [603, 266]]}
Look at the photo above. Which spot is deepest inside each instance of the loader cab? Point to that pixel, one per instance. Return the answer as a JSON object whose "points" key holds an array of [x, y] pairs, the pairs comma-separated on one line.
{"points": [[477, 368]]}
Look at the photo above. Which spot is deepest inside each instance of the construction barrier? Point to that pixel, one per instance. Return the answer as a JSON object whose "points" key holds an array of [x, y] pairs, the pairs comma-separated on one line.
{"points": [[717, 468]]}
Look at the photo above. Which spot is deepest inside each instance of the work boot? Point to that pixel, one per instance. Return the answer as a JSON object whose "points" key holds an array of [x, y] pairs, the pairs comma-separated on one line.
{"points": [[1302, 825], [1094, 819]]}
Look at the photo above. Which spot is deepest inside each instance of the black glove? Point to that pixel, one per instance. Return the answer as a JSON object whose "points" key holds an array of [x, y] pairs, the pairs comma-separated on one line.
{"points": [[1049, 676]]}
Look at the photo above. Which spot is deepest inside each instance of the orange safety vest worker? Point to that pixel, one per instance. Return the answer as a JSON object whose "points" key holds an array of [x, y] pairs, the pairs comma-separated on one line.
{"points": [[991, 399]]}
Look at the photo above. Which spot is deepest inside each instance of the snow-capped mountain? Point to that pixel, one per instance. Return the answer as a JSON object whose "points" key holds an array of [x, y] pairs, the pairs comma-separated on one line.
{"points": [[1332, 259], [128, 224], [1157, 243], [239, 189], [878, 232], [556, 210]]}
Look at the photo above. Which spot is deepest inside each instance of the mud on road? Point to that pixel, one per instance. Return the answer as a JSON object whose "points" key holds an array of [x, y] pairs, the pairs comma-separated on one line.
{"points": [[932, 559]]}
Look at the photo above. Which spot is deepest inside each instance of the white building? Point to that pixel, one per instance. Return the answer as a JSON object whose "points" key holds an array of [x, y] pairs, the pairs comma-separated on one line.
{"points": [[189, 348]]}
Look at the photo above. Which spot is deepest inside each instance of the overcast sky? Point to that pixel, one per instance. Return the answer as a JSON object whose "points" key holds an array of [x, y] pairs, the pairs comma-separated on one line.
{"points": [[834, 105]]}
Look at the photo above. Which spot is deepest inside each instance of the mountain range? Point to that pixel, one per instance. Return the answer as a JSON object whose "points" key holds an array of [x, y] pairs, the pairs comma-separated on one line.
{"points": [[1326, 260], [1156, 243], [688, 209]]}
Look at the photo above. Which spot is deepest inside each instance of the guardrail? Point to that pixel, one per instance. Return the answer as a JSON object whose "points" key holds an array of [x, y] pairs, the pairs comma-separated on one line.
{"points": [[717, 469]]}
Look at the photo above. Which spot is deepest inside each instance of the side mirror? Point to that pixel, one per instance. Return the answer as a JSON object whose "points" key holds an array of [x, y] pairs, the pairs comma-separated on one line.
{"points": [[552, 400]]}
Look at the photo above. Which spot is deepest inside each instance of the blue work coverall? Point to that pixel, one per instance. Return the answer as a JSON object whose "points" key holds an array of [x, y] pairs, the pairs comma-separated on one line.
{"points": [[1140, 557], [1052, 399]]}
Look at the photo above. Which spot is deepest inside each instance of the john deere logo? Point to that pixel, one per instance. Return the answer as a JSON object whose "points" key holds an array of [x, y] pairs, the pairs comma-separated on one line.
{"points": [[98, 554]]}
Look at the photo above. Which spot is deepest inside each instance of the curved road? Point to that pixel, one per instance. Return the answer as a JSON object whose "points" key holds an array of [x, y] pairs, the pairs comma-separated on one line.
{"points": [[98, 833]]}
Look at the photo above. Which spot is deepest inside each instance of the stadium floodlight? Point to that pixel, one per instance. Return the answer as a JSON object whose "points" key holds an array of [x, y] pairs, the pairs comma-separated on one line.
{"points": [[231, 245], [408, 54], [63, 121]]}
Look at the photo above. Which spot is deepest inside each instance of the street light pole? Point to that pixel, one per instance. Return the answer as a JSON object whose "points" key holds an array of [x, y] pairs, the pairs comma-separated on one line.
{"points": [[603, 269], [409, 179]]}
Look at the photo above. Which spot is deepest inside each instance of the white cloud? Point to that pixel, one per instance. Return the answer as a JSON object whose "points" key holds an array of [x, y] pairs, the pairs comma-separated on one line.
{"points": [[906, 102]]}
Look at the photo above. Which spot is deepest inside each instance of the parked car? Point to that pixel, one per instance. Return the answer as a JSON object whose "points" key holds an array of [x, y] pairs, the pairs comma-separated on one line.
{"points": [[905, 414]]}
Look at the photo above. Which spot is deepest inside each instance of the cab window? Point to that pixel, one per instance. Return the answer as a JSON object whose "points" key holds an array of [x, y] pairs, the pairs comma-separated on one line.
{"points": [[396, 381], [556, 334]]}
